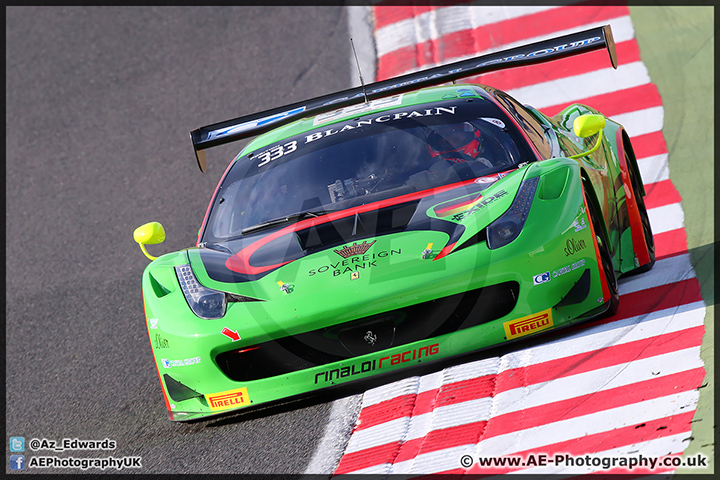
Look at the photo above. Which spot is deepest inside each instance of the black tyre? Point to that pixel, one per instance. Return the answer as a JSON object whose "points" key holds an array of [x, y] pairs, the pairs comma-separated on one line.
{"points": [[607, 265]]}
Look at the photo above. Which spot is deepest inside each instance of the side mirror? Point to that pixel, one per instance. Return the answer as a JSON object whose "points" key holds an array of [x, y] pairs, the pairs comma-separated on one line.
{"points": [[586, 126], [149, 234]]}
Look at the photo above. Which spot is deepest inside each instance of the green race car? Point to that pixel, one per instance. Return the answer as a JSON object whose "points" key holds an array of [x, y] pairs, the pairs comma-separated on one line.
{"points": [[392, 224]]}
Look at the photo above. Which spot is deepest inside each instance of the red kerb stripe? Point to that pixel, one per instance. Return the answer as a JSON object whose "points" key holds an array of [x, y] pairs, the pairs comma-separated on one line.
{"points": [[617, 102]]}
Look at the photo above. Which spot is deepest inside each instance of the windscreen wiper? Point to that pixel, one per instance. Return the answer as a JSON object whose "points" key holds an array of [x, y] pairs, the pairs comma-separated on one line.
{"points": [[284, 219]]}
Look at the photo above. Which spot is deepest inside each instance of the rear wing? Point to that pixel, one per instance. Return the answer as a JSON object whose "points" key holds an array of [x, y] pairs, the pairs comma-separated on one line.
{"points": [[543, 51]]}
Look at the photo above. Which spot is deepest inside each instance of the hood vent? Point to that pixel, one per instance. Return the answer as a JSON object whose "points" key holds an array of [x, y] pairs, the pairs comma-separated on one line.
{"points": [[391, 219]]}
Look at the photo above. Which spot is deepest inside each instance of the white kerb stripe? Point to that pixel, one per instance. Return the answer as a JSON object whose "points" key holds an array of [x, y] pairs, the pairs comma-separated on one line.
{"points": [[655, 448], [405, 33], [604, 421], [404, 430], [641, 122], [668, 270], [654, 169], [621, 27], [456, 373], [666, 218], [616, 333], [597, 380], [578, 87]]}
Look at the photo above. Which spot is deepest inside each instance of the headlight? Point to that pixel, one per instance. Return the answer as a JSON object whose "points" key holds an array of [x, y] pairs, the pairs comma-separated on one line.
{"points": [[506, 228], [204, 302]]}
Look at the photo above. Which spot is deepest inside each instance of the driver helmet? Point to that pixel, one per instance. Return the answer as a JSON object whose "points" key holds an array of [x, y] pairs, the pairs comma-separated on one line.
{"points": [[458, 138]]}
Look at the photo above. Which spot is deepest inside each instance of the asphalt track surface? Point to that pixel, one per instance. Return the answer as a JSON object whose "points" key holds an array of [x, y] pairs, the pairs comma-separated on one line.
{"points": [[100, 101]]}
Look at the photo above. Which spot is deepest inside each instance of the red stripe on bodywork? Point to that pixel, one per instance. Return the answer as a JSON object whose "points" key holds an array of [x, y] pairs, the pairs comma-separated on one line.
{"points": [[601, 267], [637, 232], [240, 261], [212, 200], [152, 350]]}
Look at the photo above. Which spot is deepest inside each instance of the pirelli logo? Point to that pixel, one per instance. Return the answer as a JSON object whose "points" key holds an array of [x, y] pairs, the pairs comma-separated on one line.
{"points": [[229, 399], [527, 325]]}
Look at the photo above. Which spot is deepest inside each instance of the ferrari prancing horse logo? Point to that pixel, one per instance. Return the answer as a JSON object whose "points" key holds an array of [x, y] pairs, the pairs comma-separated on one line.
{"points": [[370, 338]]}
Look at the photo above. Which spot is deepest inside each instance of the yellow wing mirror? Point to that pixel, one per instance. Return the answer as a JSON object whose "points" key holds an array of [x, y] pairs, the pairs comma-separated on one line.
{"points": [[586, 126], [149, 234]]}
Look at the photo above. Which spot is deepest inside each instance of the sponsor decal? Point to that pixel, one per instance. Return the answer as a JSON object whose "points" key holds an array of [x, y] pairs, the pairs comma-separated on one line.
{"points": [[495, 121], [454, 207], [354, 249], [573, 246], [159, 342], [354, 263], [490, 179], [179, 363], [544, 51], [542, 278], [466, 92], [354, 275], [579, 224], [383, 118], [569, 268], [278, 151], [231, 334], [479, 205], [527, 325], [153, 322], [370, 338], [228, 399], [392, 101], [377, 364], [243, 127]]}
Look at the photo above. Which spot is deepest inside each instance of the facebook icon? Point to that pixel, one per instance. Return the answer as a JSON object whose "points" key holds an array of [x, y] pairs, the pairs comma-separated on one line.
{"points": [[17, 462]]}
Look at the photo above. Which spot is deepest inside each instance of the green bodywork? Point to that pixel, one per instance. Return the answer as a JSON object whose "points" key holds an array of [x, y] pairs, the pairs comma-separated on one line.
{"points": [[547, 259]]}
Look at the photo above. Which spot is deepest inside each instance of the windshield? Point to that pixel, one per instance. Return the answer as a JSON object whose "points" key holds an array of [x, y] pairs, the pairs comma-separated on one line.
{"points": [[367, 159]]}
